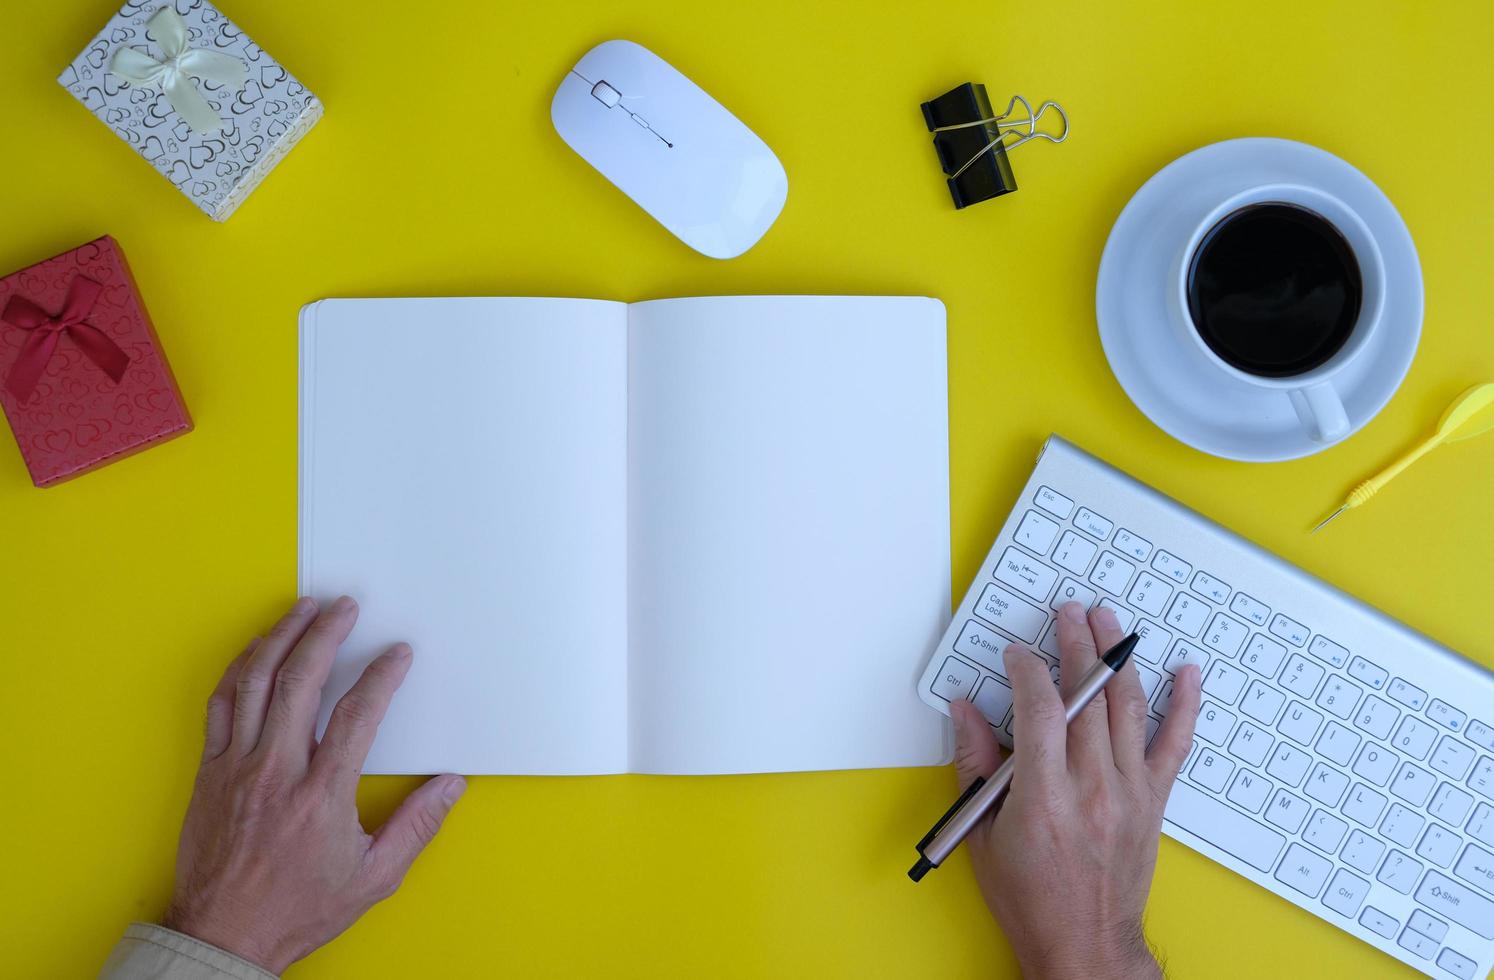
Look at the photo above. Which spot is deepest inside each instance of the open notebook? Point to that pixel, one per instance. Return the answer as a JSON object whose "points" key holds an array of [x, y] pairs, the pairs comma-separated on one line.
{"points": [[685, 536]]}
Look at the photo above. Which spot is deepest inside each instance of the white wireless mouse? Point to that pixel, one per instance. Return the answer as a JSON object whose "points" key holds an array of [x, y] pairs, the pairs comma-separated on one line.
{"points": [[672, 148]]}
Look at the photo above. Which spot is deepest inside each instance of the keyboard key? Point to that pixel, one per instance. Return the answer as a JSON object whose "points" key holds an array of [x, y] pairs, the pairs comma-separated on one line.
{"points": [[1224, 682], [1402, 825], [955, 680], [1422, 946], [1399, 872], [1212, 770], [1262, 702], [1367, 673], [1289, 629], [1054, 503], [1325, 832], [1133, 544], [1072, 591], [1036, 532], [1378, 922], [1457, 902], [1377, 717], [1300, 723], [1111, 573], [1028, 576], [1414, 737], [1337, 743], [994, 699], [982, 644], [1480, 734], [1287, 811], [1375, 763], [1326, 784], [1476, 866], [1123, 616], [1163, 700], [1446, 715], [1346, 893], [1304, 870], [1263, 655], [1214, 723], [1172, 566], [1450, 804], [1364, 805], [1149, 679], [1250, 744], [1288, 764], [1074, 553], [1338, 697], [1413, 784], [1457, 964], [1301, 676], [1005, 611], [1482, 779], [1250, 609], [1328, 651], [1093, 524], [1362, 852], [1433, 929], [1224, 827], [1481, 824], [1149, 594], [1452, 758], [1408, 694], [1049, 645], [1225, 635], [1249, 791], [1184, 652], [1438, 845], [1152, 642], [1209, 586], [1187, 614]]}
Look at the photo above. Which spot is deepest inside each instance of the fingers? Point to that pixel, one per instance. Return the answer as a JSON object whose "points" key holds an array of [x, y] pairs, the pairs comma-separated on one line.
{"points": [[256, 677], [1175, 737], [1038, 730], [976, 753], [414, 825], [220, 707], [1089, 733], [355, 719], [1125, 701], [297, 693]]}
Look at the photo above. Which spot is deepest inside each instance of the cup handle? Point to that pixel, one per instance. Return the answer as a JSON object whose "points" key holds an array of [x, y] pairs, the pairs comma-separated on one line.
{"points": [[1322, 411]]}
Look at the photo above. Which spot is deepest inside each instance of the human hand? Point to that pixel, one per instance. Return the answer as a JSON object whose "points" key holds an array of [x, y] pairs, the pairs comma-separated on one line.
{"points": [[1066, 862], [273, 862]]}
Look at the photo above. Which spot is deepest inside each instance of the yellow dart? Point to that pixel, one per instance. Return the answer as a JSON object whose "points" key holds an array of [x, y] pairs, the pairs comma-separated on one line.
{"points": [[1471, 414]]}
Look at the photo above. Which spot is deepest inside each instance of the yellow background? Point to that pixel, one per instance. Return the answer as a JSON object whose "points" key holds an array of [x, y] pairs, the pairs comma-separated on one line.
{"points": [[436, 172]]}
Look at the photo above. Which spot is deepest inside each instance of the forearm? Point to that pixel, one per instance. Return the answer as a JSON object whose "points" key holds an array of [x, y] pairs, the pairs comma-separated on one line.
{"points": [[152, 952]]}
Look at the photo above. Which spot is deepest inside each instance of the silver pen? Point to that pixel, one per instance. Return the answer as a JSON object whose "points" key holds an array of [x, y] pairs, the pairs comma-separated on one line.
{"points": [[980, 796]]}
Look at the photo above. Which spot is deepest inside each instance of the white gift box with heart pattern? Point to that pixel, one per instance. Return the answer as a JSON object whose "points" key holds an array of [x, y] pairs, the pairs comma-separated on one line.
{"points": [[198, 99]]}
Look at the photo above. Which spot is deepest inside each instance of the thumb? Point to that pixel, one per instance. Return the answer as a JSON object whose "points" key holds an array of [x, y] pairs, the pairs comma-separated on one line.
{"points": [[413, 825], [976, 751]]}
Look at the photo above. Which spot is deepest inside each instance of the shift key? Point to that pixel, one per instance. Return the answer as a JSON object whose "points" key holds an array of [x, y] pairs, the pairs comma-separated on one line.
{"points": [[1225, 827], [1457, 902], [1031, 578]]}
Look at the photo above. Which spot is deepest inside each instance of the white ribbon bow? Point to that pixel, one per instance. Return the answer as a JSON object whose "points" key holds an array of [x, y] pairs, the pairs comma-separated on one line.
{"points": [[175, 72]]}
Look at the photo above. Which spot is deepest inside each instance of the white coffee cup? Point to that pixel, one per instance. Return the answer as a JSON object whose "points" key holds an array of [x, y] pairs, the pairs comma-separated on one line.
{"points": [[1317, 403]]}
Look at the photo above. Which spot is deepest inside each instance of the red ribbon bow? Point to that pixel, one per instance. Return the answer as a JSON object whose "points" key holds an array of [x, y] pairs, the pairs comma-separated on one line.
{"points": [[46, 331]]}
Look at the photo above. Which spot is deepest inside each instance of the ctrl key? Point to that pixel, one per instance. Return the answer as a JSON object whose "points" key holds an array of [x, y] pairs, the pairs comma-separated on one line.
{"points": [[955, 680]]}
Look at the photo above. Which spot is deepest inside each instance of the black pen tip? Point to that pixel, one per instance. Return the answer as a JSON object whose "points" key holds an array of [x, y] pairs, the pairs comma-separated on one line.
{"points": [[920, 869], [1115, 658]]}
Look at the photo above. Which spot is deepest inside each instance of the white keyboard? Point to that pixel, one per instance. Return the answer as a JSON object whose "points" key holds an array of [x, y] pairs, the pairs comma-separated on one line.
{"points": [[1341, 760]]}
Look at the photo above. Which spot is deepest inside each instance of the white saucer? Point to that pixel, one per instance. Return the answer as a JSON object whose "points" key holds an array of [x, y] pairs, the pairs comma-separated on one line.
{"points": [[1170, 381]]}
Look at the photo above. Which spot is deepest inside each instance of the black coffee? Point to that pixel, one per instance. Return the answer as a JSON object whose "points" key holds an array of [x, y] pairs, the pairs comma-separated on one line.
{"points": [[1274, 289]]}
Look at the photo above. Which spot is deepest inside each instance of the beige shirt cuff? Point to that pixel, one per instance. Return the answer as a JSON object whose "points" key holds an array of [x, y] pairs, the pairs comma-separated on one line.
{"points": [[150, 952]]}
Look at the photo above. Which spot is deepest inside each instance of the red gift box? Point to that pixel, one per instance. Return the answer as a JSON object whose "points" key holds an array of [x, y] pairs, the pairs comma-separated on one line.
{"points": [[83, 379]]}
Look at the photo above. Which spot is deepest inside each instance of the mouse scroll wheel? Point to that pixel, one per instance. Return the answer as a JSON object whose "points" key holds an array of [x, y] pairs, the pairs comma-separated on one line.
{"points": [[606, 94]]}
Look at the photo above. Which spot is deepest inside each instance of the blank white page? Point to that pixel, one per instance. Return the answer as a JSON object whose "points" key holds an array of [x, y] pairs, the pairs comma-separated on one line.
{"points": [[788, 532], [463, 474]]}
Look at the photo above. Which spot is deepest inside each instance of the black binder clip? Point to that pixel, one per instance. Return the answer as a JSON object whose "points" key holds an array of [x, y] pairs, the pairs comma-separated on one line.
{"points": [[973, 142]]}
